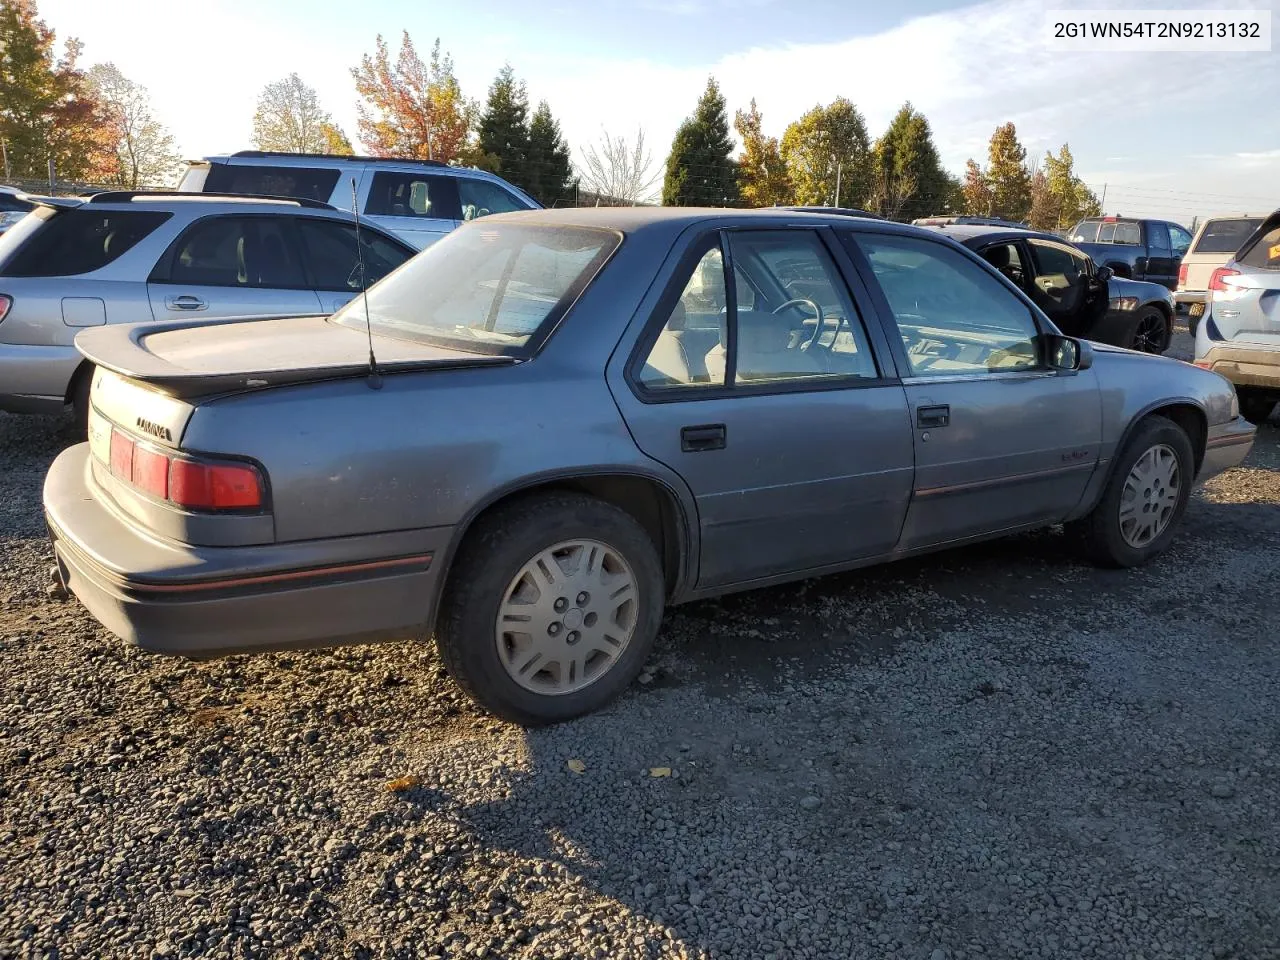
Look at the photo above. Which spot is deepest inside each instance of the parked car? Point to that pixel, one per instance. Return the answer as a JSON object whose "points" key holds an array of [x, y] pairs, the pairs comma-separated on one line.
{"points": [[1239, 336], [841, 211], [1135, 249], [129, 257], [14, 205], [567, 427], [1216, 241], [418, 200], [1081, 298]]}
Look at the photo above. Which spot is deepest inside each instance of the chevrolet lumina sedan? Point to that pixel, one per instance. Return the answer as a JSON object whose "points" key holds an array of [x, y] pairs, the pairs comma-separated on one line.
{"points": [[531, 438]]}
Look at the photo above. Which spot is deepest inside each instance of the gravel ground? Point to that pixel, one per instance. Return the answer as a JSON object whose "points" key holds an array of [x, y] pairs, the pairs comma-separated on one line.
{"points": [[992, 753]]}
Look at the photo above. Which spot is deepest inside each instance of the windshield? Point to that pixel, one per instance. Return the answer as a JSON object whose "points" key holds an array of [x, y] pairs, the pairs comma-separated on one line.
{"points": [[1225, 236], [492, 288]]}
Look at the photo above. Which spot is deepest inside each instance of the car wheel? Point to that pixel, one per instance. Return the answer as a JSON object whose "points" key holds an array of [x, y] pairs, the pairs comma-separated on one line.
{"points": [[552, 607], [80, 405], [1150, 332], [1144, 498], [1255, 407]]}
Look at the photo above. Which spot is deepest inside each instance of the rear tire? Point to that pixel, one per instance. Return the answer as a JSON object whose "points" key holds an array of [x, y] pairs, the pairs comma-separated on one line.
{"points": [[80, 403], [493, 655], [1146, 493], [1255, 407]]}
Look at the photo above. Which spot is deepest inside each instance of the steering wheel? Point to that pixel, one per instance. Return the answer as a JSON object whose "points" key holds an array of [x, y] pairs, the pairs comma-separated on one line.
{"points": [[817, 310]]}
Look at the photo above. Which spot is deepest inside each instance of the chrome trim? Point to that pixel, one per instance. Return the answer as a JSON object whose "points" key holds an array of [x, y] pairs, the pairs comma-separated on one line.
{"points": [[969, 377], [1008, 480]]}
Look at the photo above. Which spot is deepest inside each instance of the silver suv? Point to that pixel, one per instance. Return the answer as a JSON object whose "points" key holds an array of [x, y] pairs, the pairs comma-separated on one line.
{"points": [[418, 200], [123, 257]]}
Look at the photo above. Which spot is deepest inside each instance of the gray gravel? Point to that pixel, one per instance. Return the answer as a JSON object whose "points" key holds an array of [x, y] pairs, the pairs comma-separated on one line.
{"points": [[991, 753]]}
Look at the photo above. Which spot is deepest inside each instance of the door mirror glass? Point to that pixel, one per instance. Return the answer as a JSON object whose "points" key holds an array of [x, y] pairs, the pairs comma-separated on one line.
{"points": [[1104, 274], [1067, 353]]}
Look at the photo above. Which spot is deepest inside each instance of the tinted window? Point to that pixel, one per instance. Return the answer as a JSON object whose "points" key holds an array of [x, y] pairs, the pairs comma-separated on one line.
{"points": [[10, 203], [1265, 253], [480, 198], [1086, 231], [330, 252], [237, 252], [1181, 239], [1128, 233], [306, 183], [488, 290], [954, 317], [395, 194], [1006, 258], [1158, 239], [72, 242], [1225, 236]]}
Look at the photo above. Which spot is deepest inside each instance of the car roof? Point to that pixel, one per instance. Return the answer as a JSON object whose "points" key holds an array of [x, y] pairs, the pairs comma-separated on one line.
{"points": [[177, 200], [280, 158]]}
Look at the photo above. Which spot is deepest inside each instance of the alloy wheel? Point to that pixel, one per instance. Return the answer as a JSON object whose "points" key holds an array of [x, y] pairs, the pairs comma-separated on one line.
{"points": [[1150, 496]]}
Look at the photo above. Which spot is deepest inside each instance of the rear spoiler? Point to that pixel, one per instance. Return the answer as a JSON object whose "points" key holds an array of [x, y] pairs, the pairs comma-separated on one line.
{"points": [[57, 203]]}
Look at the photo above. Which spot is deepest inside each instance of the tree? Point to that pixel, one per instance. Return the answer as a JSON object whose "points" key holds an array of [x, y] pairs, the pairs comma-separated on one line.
{"points": [[1043, 214], [908, 177], [289, 118], [412, 109], [700, 168], [976, 190], [828, 155], [144, 149], [1007, 174], [550, 171], [47, 110], [1058, 197], [762, 176], [335, 141], [618, 170], [504, 128]]}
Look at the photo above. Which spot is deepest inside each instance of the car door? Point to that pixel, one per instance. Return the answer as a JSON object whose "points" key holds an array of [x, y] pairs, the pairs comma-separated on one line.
{"points": [[333, 264], [417, 206], [798, 457], [1063, 284], [1001, 440], [1162, 268], [232, 266]]}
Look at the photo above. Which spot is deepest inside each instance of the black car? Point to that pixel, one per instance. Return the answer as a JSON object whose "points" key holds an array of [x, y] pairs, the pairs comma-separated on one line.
{"points": [[1081, 298], [1149, 250]]}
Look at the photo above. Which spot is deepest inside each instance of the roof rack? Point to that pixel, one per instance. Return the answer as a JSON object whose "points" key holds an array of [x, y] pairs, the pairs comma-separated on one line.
{"points": [[120, 196], [337, 156]]}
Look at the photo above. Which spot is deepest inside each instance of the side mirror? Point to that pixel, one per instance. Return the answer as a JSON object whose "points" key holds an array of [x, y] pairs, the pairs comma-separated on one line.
{"points": [[1104, 274], [1068, 353]]}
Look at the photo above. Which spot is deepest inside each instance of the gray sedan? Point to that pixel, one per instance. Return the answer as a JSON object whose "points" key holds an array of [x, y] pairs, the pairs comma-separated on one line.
{"points": [[536, 434]]}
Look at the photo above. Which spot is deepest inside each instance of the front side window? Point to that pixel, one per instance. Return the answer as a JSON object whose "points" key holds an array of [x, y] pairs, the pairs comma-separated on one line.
{"points": [[1061, 276], [1225, 236], [1006, 258], [480, 198], [301, 183], [67, 243], [954, 317], [1181, 240], [236, 252], [330, 250], [1158, 235], [396, 194], [492, 290]]}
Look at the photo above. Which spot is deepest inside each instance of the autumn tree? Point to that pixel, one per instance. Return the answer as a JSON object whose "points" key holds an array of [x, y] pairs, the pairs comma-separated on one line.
{"points": [[976, 190], [909, 180], [1044, 213], [289, 118], [144, 149], [504, 128], [47, 109], [700, 168], [335, 141], [550, 171], [619, 170], [1058, 197], [762, 176], [1007, 175], [412, 109], [828, 156]]}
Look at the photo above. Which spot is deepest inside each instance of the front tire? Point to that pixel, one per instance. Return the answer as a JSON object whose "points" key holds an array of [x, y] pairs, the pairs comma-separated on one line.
{"points": [[1151, 333], [552, 608], [1144, 498]]}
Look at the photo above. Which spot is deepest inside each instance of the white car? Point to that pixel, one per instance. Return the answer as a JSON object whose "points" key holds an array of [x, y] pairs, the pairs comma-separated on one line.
{"points": [[1216, 242]]}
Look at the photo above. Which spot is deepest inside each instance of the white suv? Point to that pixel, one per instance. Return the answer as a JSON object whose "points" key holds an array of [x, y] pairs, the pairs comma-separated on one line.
{"points": [[418, 200]]}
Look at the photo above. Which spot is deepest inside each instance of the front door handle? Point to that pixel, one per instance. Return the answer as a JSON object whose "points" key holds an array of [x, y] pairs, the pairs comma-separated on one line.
{"points": [[185, 302], [707, 436], [938, 415]]}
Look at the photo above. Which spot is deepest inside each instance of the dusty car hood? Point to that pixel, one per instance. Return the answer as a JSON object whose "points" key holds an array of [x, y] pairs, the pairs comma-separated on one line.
{"points": [[190, 359]]}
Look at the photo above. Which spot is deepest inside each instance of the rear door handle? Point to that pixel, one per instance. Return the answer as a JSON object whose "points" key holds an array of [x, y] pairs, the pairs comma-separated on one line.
{"points": [[707, 436], [185, 302], [938, 415]]}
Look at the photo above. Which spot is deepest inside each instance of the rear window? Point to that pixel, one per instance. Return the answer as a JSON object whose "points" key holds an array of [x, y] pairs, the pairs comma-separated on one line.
{"points": [[1264, 254], [496, 289], [67, 243], [303, 183], [10, 204], [1225, 236]]}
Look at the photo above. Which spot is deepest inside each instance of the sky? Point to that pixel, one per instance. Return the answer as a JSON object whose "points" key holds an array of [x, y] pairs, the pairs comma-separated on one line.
{"points": [[1173, 135]]}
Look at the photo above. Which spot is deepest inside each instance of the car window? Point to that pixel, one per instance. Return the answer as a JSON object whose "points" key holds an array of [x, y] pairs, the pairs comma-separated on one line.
{"points": [[494, 290], [1006, 258], [1158, 239], [1225, 236], [1180, 238], [678, 357], [303, 183], [10, 203], [1264, 254], [396, 194], [330, 251], [1128, 233], [66, 243], [479, 198], [1106, 232], [1086, 231], [954, 317], [237, 252]]}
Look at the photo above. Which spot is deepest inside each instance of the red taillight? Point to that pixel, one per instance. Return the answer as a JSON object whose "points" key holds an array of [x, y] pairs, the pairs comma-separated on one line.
{"points": [[1215, 281], [1182, 275], [122, 456], [151, 472], [190, 484], [5, 304]]}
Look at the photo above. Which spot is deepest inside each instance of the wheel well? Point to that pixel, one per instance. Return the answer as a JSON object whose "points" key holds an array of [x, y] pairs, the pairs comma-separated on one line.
{"points": [[1121, 269], [1192, 420], [84, 370], [649, 503]]}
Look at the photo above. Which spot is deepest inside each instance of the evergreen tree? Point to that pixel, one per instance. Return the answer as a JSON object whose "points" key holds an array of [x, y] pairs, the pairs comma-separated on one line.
{"points": [[761, 172], [909, 180], [504, 128], [1007, 174], [700, 171], [550, 171], [828, 156]]}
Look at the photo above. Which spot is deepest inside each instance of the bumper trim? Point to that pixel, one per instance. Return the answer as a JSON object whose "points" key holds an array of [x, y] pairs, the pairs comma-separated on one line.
{"points": [[317, 574]]}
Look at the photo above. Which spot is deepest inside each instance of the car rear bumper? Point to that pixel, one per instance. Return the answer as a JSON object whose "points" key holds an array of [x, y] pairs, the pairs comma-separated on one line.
{"points": [[1184, 297], [34, 379], [1244, 366], [161, 595], [1226, 446]]}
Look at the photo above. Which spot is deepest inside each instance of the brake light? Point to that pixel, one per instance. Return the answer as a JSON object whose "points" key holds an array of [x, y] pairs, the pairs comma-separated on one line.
{"points": [[1182, 275], [1218, 275], [185, 481], [5, 304], [1108, 219]]}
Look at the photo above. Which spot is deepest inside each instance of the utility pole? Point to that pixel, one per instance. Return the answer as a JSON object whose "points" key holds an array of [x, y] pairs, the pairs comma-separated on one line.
{"points": [[52, 180], [839, 167], [1103, 202], [4, 149]]}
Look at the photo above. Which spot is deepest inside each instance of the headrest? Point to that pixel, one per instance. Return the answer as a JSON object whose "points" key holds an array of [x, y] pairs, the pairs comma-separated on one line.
{"points": [[998, 256], [677, 319]]}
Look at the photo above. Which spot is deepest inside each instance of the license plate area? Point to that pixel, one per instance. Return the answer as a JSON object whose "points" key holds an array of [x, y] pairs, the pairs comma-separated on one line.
{"points": [[1197, 309]]}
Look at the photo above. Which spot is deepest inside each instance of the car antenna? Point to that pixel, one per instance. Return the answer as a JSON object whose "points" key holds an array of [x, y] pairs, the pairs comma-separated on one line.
{"points": [[375, 380]]}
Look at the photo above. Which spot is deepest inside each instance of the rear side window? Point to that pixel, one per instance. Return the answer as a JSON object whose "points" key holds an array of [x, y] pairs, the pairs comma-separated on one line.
{"points": [[481, 198], [395, 194], [73, 242], [236, 252], [1086, 231], [1264, 254], [303, 183], [1128, 233], [1225, 236], [330, 250]]}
